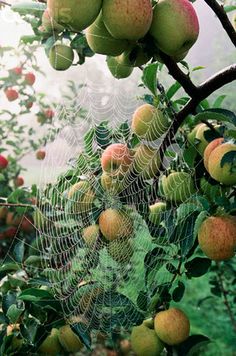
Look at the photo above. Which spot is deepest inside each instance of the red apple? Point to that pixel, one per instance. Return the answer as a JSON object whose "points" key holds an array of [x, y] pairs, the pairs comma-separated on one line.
{"points": [[11, 94], [19, 181], [30, 78], [40, 155], [49, 113], [27, 224], [17, 70], [29, 104], [11, 232], [116, 159], [3, 162]]}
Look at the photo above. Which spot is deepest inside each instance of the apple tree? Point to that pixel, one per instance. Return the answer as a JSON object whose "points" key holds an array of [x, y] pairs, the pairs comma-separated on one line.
{"points": [[150, 204]]}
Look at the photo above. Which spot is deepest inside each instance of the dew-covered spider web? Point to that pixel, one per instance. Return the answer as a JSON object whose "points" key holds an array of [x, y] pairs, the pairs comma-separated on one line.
{"points": [[108, 284]]}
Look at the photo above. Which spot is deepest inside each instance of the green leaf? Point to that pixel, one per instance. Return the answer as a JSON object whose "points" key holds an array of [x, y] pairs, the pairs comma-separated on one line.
{"points": [[197, 267], [13, 313], [149, 77], [82, 331], [173, 90], [229, 158], [190, 346], [201, 217], [35, 295], [216, 114], [186, 209], [218, 102], [229, 8], [19, 251], [178, 292]]}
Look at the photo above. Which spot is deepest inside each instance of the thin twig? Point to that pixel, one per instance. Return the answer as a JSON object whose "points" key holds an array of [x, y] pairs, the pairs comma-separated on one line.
{"points": [[222, 16], [18, 205]]}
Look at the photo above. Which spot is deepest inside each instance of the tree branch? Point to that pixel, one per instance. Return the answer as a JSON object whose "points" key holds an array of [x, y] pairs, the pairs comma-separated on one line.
{"points": [[222, 16], [208, 87], [178, 75]]}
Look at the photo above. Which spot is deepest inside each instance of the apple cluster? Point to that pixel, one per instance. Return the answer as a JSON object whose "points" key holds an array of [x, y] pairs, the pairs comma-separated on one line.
{"points": [[168, 328], [129, 33]]}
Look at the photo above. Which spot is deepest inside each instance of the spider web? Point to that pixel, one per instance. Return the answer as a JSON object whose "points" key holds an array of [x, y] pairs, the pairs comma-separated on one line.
{"points": [[105, 285]]}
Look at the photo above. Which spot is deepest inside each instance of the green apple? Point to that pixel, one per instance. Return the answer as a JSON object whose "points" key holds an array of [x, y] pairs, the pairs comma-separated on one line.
{"points": [[101, 41], [83, 195], [146, 161], [61, 57], [149, 122], [120, 250], [51, 345], [155, 212], [119, 71], [111, 184], [49, 24], [145, 342], [135, 56], [128, 20], [75, 15], [69, 340], [175, 26], [178, 186], [91, 234]]}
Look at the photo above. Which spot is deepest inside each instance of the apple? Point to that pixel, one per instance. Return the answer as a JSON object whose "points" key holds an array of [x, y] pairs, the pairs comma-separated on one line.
{"points": [[111, 184], [115, 224], [3, 212], [49, 113], [120, 250], [125, 347], [19, 181], [217, 237], [11, 94], [40, 155], [29, 104], [135, 56], [17, 70], [61, 57], [226, 173], [69, 340], [83, 195], [210, 147], [146, 161], [149, 123], [116, 159], [51, 345], [175, 26], [145, 342], [119, 71], [178, 186], [17, 341], [172, 326], [27, 224], [49, 24], [91, 234], [3, 162], [11, 232], [30, 78], [101, 41], [75, 15], [127, 19], [155, 212], [12, 219]]}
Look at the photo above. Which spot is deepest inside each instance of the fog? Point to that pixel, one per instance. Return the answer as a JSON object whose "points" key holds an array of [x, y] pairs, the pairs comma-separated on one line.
{"points": [[105, 98]]}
